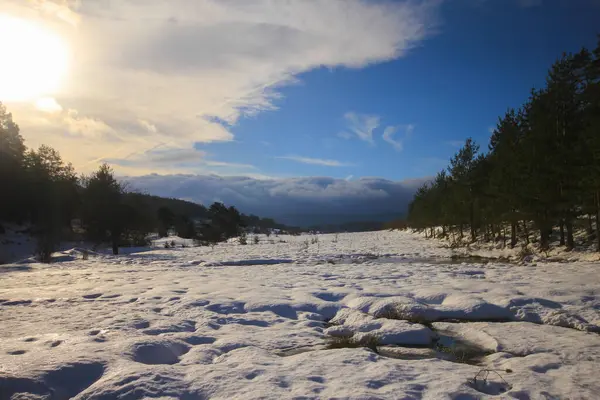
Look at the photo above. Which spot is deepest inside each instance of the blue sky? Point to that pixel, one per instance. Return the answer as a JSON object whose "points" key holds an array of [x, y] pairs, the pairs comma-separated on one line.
{"points": [[282, 108], [484, 57], [276, 89]]}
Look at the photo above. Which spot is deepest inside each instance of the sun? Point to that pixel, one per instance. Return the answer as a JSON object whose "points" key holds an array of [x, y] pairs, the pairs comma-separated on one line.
{"points": [[34, 60]]}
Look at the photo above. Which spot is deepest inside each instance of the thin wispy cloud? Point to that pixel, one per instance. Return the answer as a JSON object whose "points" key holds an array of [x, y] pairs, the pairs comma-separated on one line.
{"points": [[169, 160], [457, 144], [316, 161], [345, 135], [185, 71], [390, 132], [361, 126]]}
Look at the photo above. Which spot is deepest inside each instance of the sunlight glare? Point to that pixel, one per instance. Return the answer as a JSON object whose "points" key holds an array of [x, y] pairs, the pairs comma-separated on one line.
{"points": [[34, 62]]}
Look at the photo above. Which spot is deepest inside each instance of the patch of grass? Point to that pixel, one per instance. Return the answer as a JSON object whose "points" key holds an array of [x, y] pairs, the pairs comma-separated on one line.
{"points": [[460, 351], [350, 342], [525, 253]]}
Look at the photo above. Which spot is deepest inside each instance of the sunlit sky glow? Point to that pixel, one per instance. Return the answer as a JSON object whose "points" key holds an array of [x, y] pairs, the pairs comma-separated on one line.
{"points": [[268, 88], [35, 60]]}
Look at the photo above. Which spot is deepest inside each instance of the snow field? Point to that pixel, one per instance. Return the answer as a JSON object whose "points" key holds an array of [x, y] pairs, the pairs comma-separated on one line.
{"points": [[255, 321]]}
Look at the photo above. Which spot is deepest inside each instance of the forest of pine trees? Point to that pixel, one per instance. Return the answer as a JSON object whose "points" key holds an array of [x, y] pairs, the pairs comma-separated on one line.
{"points": [[541, 170], [44, 193]]}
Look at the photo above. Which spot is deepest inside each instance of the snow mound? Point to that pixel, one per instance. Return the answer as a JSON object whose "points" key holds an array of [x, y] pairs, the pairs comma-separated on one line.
{"points": [[362, 326], [452, 307]]}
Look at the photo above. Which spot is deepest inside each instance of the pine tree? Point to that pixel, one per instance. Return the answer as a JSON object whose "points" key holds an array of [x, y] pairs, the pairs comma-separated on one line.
{"points": [[461, 170], [12, 176], [166, 219], [105, 215], [52, 199]]}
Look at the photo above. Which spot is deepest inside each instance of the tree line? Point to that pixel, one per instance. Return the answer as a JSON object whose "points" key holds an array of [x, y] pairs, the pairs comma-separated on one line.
{"points": [[44, 192], [541, 169]]}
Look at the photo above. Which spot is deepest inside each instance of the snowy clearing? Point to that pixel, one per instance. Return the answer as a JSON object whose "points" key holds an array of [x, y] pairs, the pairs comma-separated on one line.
{"points": [[259, 321]]}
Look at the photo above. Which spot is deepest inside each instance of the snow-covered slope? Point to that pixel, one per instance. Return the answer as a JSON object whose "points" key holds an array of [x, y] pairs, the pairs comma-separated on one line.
{"points": [[255, 321]]}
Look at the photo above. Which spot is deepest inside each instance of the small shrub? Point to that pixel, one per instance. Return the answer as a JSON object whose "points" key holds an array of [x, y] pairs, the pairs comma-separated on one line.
{"points": [[455, 244], [85, 254], [256, 239], [44, 253], [46, 245], [243, 239], [172, 243], [167, 245], [525, 253]]}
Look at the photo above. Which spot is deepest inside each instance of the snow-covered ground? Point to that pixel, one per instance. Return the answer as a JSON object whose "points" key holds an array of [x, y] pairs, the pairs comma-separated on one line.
{"points": [[257, 321]]}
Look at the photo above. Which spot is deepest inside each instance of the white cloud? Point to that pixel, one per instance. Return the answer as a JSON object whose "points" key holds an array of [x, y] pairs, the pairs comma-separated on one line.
{"points": [[48, 104], [186, 71], [316, 161], [148, 126], [168, 160], [362, 125], [228, 164], [390, 131]]}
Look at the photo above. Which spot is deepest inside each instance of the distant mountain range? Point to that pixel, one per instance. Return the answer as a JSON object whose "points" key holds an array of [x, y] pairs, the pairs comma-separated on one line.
{"points": [[304, 202]]}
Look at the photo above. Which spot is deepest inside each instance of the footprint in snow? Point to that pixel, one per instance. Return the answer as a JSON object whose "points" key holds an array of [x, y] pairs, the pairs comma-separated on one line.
{"points": [[111, 296], [317, 379], [92, 296]]}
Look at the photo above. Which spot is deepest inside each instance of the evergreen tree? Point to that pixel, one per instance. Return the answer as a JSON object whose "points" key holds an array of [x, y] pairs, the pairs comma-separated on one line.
{"points": [[12, 153], [52, 199], [461, 170], [166, 219], [543, 164], [105, 215]]}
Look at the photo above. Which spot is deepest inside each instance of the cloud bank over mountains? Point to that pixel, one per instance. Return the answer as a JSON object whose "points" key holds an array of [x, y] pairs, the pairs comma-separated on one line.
{"points": [[296, 201]]}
